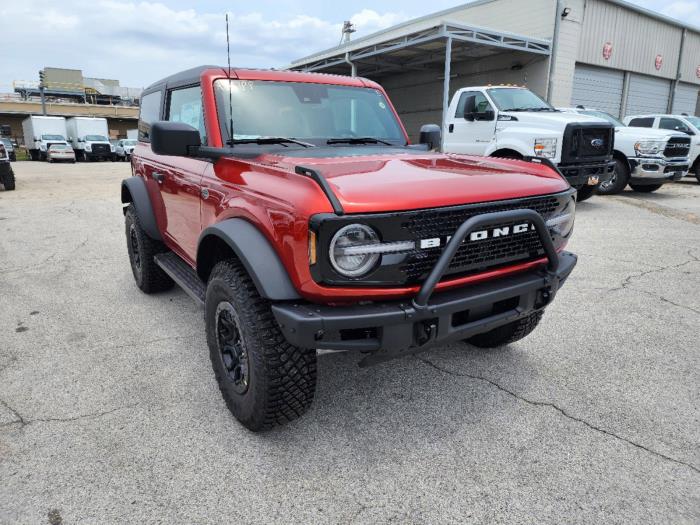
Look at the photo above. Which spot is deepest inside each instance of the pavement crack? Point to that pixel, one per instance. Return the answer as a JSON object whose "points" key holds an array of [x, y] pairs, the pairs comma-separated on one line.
{"points": [[560, 410], [627, 281], [25, 422], [656, 208]]}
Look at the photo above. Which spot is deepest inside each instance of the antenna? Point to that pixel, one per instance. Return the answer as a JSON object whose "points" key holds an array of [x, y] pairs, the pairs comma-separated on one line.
{"points": [[230, 103]]}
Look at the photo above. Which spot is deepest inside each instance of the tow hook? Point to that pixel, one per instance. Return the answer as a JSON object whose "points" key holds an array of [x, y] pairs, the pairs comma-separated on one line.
{"points": [[426, 331]]}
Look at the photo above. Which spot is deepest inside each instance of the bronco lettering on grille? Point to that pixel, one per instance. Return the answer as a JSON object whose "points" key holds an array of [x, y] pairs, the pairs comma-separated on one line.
{"points": [[481, 235]]}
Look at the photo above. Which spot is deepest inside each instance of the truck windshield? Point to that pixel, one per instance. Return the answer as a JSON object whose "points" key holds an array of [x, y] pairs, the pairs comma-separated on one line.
{"points": [[605, 116], [313, 113], [95, 138], [695, 121], [512, 99], [52, 137]]}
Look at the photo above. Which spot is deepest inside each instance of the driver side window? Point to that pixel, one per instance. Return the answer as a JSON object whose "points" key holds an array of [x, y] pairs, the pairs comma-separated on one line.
{"points": [[673, 124], [471, 102]]}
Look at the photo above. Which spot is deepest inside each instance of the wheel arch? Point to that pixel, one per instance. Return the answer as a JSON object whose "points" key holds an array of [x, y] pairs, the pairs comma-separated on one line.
{"points": [[238, 238], [507, 153], [134, 192]]}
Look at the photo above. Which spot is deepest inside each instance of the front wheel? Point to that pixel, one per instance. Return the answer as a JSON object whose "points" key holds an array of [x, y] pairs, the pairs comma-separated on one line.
{"points": [[8, 179], [508, 333], [264, 380], [697, 171], [645, 188], [619, 179], [584, 193]]}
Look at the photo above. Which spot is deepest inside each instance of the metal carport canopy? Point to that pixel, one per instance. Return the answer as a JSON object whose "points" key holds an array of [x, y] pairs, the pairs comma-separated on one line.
{"points": [[420, 50]]}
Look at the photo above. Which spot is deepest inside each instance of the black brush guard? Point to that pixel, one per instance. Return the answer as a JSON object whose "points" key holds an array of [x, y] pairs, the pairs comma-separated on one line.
{"points": [[389, 329]]}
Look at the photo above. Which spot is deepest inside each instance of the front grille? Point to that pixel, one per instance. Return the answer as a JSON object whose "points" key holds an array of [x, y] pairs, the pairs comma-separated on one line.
{"points": [[100, 148], [473, 256], [677, 147], [585, 142], [674, 169]]}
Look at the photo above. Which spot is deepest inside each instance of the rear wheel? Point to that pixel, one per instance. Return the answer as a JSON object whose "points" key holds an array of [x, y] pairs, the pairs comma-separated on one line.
{"points": [[645, 188], [148, 275], [584, 193], [618, 180], [264, 380], [508, 333]]}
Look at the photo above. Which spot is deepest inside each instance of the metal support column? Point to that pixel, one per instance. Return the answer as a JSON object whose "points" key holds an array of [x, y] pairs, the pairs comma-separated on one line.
{"points": [[446, 86], [677, 77], [625, 95]]}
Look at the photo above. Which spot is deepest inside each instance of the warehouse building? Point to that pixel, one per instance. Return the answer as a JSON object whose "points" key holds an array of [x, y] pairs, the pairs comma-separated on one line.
{"points": [[607, 54]]}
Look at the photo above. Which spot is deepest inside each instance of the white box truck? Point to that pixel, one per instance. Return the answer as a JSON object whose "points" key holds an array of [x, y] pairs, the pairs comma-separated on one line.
{"points": [[41, 132], [89, 137], [132, 134]]}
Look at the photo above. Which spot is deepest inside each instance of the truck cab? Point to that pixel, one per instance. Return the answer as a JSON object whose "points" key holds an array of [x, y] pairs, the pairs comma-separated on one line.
{"points": [[89, 138], [513, 122], [292, 207], [41, 132]]}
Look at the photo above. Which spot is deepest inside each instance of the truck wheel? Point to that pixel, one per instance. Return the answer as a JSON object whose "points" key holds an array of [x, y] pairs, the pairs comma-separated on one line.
{"points": [[618, 180], [264, 380], [149, 276], [8, 180], [645, 188], [508, 333], [584, 193], [697, 171]]}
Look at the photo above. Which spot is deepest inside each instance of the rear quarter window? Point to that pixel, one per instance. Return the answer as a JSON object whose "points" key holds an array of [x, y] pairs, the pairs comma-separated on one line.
{"points": [[149, 113]]}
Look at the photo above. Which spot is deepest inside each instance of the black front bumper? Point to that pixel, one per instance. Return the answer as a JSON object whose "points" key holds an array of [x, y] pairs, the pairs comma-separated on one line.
{"points": [[580, 175], [394, 328]]}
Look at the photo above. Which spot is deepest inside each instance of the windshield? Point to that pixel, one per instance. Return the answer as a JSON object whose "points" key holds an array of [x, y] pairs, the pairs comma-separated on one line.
{"points": [[695, 121], [96, 138], [128, 143], [59, 146], [7, 143], [52, 137], [510, 99], [312, 113], [605, 116]]}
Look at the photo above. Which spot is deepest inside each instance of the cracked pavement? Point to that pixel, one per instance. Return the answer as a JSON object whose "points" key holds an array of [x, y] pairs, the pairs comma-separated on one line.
{"points": [[109, 412]]}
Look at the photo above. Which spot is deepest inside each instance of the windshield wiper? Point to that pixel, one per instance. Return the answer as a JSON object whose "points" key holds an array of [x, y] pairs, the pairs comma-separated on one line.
{"points": [[270, 140], [358, 140]]}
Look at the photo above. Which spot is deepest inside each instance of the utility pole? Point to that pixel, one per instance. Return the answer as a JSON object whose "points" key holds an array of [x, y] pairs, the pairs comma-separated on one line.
{"points": [[42, 86]]}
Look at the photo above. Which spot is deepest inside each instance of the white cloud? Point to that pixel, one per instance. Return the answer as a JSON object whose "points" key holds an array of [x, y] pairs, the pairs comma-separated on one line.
{"points": [[688, 12], [139, 42]]}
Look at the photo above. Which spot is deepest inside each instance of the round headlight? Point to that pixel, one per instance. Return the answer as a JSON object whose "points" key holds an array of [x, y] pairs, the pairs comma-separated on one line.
{"points": [[345, 256], [563, 222]]}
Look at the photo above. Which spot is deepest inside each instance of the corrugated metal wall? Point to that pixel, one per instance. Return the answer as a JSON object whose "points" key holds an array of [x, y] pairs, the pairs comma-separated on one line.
{"points": [[691, 58], [647, 95], [636, 40], [599, 88], [686, 98]]}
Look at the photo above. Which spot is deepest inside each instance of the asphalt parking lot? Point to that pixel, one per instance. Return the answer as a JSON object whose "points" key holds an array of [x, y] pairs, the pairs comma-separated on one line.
{"points": [[109, 411]]}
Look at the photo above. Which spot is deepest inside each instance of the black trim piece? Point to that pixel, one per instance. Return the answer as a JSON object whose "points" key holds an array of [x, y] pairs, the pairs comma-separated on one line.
{"points": [[134, 191], [546, 162], [255, 252], [323, 183], [183, 274]]}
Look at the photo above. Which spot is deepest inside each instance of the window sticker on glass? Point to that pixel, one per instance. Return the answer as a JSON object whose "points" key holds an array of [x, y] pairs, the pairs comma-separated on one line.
{"points": [[382, 105]]}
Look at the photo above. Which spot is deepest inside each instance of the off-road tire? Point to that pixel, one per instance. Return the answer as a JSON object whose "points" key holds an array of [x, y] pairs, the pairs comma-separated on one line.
{"points": [[697, 171], [621, 176], [149, 277], [8, 179], [281, 377], [508, 333], [645, 188], [585, 193]]}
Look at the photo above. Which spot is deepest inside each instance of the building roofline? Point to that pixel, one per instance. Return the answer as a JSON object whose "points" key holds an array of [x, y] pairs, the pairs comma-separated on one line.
{"points": [[654, 14]]}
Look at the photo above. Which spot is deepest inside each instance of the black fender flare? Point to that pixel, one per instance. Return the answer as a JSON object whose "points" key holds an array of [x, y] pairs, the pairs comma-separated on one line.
{"points": [[134, 191], [255, 253]]}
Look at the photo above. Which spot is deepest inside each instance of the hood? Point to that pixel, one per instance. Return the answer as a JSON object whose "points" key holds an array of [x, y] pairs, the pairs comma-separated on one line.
{"points": [[545, 120], [647, 133], [407, 181]]}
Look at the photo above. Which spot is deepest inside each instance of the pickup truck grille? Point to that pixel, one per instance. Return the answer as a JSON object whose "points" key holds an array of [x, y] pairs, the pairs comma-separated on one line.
{"points": [[677, 147], [476, 256], [587, 142], [100, 148]]}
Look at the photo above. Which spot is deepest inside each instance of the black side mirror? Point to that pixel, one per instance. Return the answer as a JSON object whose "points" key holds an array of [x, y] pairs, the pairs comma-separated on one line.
{"points": [[485, 115], [431, 135], [174, 138]]}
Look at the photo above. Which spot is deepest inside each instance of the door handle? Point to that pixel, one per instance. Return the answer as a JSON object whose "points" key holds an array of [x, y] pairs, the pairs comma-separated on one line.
{"points": [[451, 128], [158, 177]]}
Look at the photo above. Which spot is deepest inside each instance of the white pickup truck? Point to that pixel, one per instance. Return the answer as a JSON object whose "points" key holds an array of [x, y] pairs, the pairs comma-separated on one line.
{"points": [[645, 158], [513, 122], [686, 124]]}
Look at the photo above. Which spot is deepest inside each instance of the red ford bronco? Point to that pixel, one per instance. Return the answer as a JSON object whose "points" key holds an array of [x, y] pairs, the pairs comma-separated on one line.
{"points": [[293, 208]]}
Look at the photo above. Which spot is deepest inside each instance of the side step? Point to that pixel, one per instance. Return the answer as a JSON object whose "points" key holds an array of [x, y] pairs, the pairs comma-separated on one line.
{"points": [[183, 274]]}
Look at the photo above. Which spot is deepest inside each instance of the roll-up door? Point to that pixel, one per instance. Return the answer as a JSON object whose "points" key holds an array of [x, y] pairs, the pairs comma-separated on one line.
{"points": [[647, 95], [686, 98], [598, 88]]}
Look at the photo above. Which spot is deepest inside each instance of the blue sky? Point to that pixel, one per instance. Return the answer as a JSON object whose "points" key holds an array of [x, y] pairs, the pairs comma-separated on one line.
{"points": [[138, 42]]}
